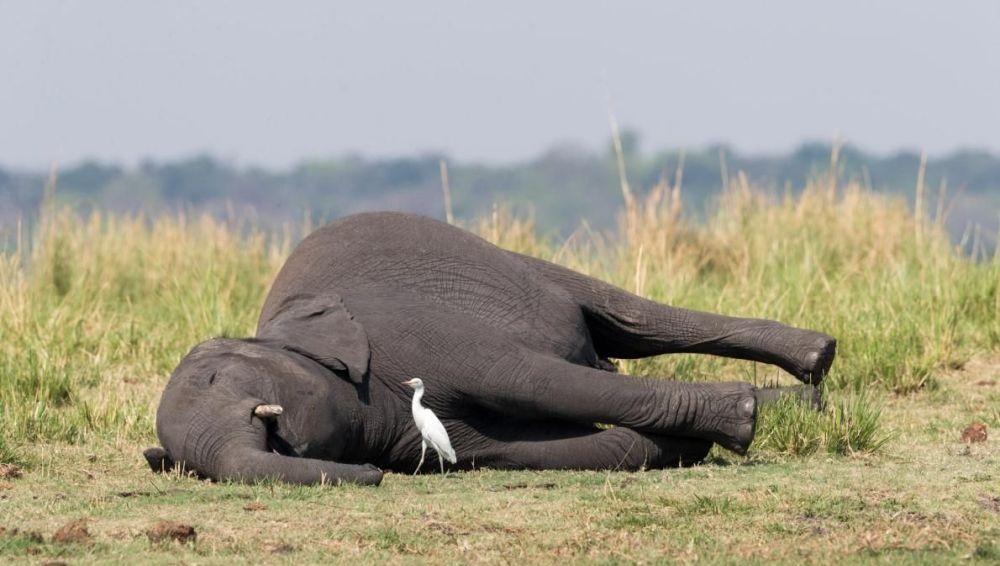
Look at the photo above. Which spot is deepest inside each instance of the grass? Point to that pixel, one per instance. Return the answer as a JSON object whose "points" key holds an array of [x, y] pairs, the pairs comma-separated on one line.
{"points": [[97, 310], [926, 498], [849, 424]]}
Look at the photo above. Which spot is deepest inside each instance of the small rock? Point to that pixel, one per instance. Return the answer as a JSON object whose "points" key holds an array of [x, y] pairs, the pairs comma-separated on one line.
{"points": [[170, 530], [72, 532], [976, 432], [10, 471], [255, 506]]}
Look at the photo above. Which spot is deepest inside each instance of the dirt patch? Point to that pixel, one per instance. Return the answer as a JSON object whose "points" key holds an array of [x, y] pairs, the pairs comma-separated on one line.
{"points": [[811, 525], [522, 485], [32, 536], [278, 548], [133, 493], [10, 471], [990, 502], [445, 528], [73, 532], [170, 530], [255, 506], [976, 432], [144, 493]]}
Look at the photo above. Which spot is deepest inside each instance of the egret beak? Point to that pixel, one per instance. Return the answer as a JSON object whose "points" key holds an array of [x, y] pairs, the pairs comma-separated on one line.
{"points": [[267, 411], [411, 382]]}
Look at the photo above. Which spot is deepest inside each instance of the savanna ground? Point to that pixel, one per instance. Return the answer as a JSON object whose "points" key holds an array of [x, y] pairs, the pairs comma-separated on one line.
{"points": [[98, 310]]}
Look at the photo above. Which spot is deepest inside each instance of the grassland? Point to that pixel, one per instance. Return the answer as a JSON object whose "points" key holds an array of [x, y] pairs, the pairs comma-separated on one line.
{"points": [[97, 310]]}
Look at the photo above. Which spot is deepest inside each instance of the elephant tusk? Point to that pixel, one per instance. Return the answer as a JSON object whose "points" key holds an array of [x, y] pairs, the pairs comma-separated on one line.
{"points": [[267, 411]]}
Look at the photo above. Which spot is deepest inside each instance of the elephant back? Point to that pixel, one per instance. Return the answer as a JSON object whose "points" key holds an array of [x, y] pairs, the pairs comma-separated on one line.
{"points": [[437, 264]]}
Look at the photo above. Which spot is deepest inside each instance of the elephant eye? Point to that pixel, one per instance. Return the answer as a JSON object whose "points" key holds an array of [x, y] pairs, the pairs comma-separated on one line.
{"points": [[211, 378]]}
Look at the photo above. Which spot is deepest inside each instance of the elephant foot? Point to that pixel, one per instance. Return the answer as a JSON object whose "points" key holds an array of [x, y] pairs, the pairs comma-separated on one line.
{"points": [[807, 394], [665, 452], [731, 420], [813, 354]]}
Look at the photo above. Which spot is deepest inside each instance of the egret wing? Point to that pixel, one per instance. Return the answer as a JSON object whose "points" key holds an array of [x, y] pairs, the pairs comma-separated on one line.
{"points": [[437, 436]]}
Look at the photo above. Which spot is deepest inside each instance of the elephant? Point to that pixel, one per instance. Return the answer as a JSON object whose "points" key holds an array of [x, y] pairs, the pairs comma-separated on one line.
{"points": [[516, 354]]}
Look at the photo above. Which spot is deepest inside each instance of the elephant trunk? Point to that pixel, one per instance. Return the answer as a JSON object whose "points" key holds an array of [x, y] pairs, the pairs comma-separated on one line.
{"points": [[231, 444], [251, 464]]}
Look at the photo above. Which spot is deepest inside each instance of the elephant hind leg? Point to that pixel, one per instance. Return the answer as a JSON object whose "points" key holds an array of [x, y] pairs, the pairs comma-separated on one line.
{"points": [[624, 325]]}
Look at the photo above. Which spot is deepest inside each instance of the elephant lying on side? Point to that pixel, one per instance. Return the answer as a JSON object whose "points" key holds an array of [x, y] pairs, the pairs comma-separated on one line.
{"points": [[514, 352]]}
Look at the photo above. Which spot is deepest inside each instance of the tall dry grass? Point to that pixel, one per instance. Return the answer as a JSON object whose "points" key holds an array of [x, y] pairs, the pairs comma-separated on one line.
{"points": [[853, 263], [97, 310]]}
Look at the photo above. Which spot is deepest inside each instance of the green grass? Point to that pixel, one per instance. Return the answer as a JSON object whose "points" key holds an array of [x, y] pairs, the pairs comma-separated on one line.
{"points": [[98, 310], [848, 424], [926, 498]]}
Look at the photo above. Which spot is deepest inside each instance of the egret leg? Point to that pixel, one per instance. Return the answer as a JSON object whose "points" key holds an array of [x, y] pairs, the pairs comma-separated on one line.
{"points": [[423, 452], [440, 461]]}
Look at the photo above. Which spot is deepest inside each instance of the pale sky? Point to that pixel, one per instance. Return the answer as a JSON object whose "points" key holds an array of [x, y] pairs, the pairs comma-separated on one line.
{"points": [[271, 83]]}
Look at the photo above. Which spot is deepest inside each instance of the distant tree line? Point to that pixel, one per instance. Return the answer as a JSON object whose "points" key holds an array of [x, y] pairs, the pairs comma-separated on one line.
{"points": [[560, 187]]}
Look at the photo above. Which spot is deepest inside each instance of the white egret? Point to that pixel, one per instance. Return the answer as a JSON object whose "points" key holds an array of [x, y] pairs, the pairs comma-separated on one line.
{"points": [[431, 430]]}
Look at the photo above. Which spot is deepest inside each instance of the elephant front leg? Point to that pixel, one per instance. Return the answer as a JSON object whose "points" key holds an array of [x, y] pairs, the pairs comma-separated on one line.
{"points": [[554, 445], [536, 386]]}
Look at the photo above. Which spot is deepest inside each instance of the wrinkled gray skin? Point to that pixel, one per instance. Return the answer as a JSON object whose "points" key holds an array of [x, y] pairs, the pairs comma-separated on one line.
{"points": [[514, 352]]}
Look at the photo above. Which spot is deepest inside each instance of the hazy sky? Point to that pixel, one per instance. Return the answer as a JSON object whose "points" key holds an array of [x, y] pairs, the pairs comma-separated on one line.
{"points": [[274, 82]]}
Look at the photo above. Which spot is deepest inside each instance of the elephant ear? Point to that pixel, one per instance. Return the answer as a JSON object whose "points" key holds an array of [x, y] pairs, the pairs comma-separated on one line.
{"points": [[320, 327]]}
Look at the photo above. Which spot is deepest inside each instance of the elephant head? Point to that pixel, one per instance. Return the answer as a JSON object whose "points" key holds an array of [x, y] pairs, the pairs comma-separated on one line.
{"points": [[284, 405]]}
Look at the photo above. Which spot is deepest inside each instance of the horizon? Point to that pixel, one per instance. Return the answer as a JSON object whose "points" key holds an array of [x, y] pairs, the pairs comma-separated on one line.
{"points": [[591, 151]]}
